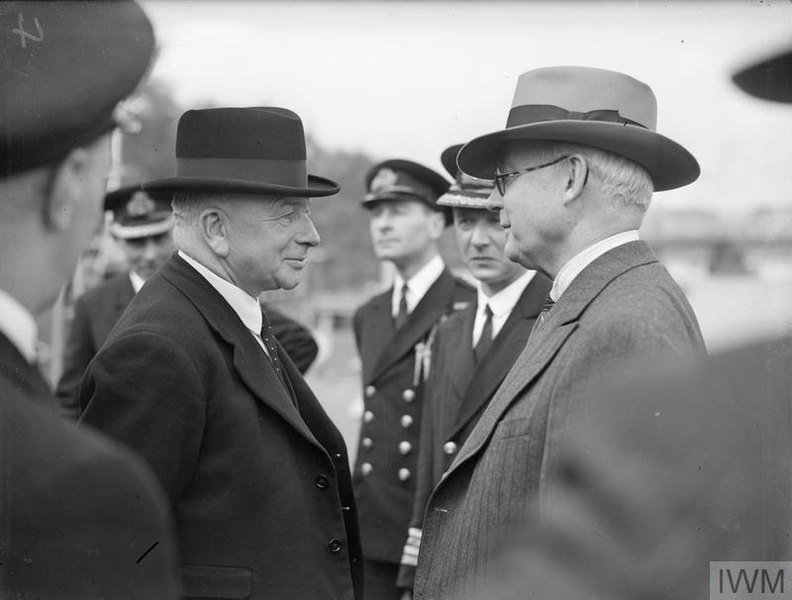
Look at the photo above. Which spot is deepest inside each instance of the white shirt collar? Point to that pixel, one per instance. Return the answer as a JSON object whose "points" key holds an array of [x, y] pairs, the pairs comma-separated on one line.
{"points": [[137, 281], [501, 304], [19, 326], [244, 305], [567, 273], [417, 285]]}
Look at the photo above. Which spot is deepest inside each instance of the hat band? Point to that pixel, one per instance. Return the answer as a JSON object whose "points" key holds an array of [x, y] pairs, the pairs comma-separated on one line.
{"points": [[539, 113], [289, 173]]}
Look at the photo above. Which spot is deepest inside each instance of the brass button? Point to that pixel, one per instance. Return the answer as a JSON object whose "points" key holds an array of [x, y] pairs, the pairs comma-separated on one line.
{"points": [[367, 442], [404, 474], [405, 447], [370, 391], [366, 469], [368, 416], [334, 545], [408, 395], [407, 421], [322, 481], [450, 448]]}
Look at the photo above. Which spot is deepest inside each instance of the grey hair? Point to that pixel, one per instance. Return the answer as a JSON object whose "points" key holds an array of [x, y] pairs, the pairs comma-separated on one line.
{"points": [[619, 178]]}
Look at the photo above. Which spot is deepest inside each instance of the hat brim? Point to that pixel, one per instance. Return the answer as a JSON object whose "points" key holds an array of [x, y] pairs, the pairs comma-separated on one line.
{"points": [[370, 200], [131, 232], [317, 186], [462, 200], [669, 164]]}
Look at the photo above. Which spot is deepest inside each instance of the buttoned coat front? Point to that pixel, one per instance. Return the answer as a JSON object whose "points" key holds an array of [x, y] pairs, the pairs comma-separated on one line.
{"points": [[622, 306], [394, 369], [258, 477]]}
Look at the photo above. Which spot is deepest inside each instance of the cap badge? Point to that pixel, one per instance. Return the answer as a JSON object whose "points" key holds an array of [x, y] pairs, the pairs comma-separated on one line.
{"points": [[385, 178], [140, 205]]}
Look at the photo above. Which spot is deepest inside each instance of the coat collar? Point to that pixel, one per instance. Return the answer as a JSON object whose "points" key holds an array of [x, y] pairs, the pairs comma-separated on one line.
{"points": [[548, 339], [21, 375]]}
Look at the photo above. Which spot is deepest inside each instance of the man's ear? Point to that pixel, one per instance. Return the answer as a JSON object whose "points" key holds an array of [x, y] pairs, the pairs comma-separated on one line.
{"points": [[437, 223], [213, 225], [63, 187], [578, 176]]}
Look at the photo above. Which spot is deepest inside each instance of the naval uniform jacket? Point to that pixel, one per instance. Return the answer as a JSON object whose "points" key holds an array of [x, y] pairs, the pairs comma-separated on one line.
{"points": [[458, 389], [394, 367], [80, 517], [256, 473], [98, 310], [622, 306]]}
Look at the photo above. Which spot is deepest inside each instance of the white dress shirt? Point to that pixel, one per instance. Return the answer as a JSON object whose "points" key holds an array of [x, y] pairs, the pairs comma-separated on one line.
{"points": [[583, 259], [501, 305], [137, 281], [19, 326], [243, 304], [417, 285]]}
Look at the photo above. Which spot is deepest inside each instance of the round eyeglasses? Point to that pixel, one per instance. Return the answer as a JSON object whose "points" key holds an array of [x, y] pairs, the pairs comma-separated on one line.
{"points": [[501, 178]]}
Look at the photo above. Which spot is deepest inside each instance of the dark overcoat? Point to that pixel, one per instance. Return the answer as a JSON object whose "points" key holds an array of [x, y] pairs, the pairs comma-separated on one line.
{"points": [[80, 517], [394, 367], [621, 307], [257, 475], [458, 390]]}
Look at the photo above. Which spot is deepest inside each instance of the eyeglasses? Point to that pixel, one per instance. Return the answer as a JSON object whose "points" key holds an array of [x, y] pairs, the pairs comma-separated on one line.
{"points": [[501, 178]]}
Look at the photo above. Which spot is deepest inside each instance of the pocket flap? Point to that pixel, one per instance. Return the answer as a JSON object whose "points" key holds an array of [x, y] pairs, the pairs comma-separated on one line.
{"points": [[205, 581]]}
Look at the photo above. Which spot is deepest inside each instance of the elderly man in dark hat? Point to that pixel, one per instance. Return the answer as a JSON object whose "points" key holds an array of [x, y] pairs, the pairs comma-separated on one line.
{"points": [[193, 379], [393, 332], [574, 172], [80, 517], [474, 348]]}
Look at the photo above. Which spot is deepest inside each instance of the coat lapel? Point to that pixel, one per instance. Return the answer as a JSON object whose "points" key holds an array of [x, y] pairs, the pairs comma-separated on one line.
{"points": [[420, 322], [547, 340], [462, 362], [21, 375], [378, 324], [250, 361], [505, 347]]}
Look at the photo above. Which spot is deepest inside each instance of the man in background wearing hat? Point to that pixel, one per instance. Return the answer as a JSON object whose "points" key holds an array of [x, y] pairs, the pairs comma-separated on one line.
{"points": [[193, 379], [80, 517], [574, 170], [393, 333], [475, 348], [141, 227], [672, 471]]}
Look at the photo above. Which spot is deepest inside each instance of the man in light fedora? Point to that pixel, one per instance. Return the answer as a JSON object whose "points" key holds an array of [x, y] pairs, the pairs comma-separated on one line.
{"points": [[193, 379], [80, 516], [473, 349], [574, 169]]}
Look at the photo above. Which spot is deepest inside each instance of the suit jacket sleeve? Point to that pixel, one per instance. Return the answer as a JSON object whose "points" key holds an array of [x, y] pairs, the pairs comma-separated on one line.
{"points": [[146, 392], [296, 340], [79, 352]]}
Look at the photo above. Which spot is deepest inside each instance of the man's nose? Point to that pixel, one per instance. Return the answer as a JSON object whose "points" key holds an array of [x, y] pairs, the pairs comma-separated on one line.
{"points": [[309, 235], [495, 201], [150, 250], [478, 236]]}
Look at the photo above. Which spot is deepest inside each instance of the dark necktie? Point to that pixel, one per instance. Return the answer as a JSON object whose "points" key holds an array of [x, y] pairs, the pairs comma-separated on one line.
{"points": [[268, 337], [402, 315], [485, 341]]}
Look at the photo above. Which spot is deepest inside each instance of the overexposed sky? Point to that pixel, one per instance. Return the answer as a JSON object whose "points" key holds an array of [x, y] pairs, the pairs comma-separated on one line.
{"points": [[407, 79]]}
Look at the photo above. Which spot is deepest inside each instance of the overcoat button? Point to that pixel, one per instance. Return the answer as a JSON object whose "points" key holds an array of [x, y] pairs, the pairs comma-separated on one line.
{"points": [[404, 474], [406, 421], [367, 443], [322, 481], [366, 469], [368, 416], [450, 448], [408, 395], [370, 391], [334, 545], [405, 447]]}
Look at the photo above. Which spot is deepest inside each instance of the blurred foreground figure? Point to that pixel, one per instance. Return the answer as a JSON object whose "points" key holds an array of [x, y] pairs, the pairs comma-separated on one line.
{"points": [[193, 379], [473, 349], [394, 332], [79, 516], [574, 172], [678, 468]]}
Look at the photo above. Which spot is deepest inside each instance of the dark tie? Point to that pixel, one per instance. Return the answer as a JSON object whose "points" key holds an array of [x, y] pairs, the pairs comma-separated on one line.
{"points": [[548, 304], [485, 341], [401, 316], [268, 337]]}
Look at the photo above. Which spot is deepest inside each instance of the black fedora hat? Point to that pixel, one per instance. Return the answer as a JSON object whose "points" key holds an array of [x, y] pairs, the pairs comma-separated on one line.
{"points": [[769, 79], [64, 67], [257, 151]]}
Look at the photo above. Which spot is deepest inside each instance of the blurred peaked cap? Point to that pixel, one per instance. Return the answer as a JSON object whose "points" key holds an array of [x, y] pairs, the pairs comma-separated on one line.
{"points": [[64, 67], [466, 191], [584, 105], [769, 79], [258, 151], [401, 179], [137, 214]]}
